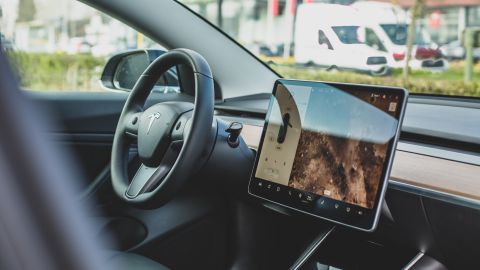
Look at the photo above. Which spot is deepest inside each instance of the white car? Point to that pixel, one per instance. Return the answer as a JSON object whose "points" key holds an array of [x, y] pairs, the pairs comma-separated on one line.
{"points": [[455, 51], [387, 32], [328, 35]]}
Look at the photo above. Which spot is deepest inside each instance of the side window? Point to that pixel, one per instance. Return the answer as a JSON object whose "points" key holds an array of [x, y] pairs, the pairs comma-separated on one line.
{"points": [[323, 40], [168, 83], [65, 47], [372, 40]]}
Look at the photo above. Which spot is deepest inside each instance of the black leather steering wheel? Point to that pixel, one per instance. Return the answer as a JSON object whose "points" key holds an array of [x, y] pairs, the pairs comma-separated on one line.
{"points": [[173, 138]]}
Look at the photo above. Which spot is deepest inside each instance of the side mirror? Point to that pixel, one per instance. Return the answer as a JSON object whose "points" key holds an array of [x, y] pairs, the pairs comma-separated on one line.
{"points": [[122, 71]]}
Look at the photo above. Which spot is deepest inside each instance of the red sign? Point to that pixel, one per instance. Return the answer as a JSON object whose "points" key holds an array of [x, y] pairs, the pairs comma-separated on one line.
{"points": [[435, 19], [293, 6], [274, 7]]}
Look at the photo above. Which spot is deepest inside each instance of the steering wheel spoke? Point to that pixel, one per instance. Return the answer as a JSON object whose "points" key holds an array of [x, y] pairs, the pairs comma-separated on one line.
{"points": [[181, 127], [147, 178], [132, 123]]}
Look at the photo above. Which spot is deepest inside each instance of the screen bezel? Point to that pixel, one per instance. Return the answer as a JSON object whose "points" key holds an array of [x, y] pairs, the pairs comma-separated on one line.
{"points": [[367, 222]]}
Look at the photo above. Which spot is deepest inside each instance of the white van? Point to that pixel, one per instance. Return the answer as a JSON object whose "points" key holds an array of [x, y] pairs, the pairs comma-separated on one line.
{"points": [[329, 35], [387, 31]]}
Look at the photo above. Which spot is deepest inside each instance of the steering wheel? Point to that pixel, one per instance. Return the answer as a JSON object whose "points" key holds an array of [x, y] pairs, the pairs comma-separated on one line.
{"points": [[173, 138]]}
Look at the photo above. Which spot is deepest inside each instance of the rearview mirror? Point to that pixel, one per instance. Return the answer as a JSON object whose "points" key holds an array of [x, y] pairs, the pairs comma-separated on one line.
{"points": [[122, 71]]}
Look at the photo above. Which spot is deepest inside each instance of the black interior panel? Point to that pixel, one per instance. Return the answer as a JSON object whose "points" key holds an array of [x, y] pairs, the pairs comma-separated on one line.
{"points": [[349, 250], [456, 229], [411, 223], [265, 239]]}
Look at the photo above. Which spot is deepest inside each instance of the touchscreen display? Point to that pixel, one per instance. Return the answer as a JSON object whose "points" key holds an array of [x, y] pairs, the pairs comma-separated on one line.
{"points": [[330, 142]]}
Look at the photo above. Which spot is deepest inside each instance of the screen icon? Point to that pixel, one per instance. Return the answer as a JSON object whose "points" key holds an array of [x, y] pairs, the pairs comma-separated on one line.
{"points": [[392, 107]]}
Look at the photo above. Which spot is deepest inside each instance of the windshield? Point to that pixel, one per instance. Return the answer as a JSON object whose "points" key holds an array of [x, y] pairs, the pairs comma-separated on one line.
{"points": [[63, 45], [397, 33], [293, 38]]}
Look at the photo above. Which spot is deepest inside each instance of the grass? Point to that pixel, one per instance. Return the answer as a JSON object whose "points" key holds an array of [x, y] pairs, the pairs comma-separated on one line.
{"points": [[57, 71], [63, 72], [449, 82]]}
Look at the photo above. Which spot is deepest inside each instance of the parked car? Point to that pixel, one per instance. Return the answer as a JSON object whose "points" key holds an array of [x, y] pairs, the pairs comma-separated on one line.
{"points": [[6, 44], [387, 32], [454, 50], [260, 49], [328, 35]]}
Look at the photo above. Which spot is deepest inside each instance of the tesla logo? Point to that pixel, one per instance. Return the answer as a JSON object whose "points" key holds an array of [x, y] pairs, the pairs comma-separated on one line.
{"points": [[152, 117]]}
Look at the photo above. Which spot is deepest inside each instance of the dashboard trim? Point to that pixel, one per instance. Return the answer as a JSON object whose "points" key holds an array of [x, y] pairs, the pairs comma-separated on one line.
{"points": [[414, 261]]}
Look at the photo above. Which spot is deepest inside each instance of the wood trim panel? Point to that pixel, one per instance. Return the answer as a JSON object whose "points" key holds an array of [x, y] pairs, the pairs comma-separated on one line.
{"points": [[437, 174]]}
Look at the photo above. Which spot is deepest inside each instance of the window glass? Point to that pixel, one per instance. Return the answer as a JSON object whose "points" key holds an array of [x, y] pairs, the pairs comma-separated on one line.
{"points": [[347, 34], [323, 40], [285, 34], [63, 45], [372, 40], [397, 33]]}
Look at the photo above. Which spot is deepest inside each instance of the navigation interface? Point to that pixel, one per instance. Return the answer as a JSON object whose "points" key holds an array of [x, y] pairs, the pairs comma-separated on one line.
{"points": [[331, 142]]}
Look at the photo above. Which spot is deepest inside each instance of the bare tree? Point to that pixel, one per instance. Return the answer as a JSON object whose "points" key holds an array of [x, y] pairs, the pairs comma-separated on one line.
{"points": [[26, 10], [415, 14]]}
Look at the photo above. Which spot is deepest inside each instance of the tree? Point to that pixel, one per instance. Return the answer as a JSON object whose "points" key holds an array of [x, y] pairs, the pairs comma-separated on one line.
{"points": [[26, 11], [219, 14], [416, 12]]}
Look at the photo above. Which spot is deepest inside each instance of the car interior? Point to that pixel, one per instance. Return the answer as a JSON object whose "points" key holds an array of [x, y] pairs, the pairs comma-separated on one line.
{"points": [[150, 178]]}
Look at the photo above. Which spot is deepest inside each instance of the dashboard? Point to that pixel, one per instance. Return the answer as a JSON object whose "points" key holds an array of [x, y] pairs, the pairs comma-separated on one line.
{"points": [[424, 164], [433, 198]]}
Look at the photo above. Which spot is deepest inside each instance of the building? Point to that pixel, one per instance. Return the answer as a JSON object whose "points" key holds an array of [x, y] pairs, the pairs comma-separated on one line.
{"points": [[70, 27], [446, 20]]}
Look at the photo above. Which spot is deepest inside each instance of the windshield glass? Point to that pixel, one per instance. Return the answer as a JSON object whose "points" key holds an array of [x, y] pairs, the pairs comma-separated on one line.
{"points": [[397, 33], [300, 39], [63, 45]]}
